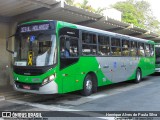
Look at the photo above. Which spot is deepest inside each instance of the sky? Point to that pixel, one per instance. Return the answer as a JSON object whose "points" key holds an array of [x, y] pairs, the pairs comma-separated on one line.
{"points": [[106, 3]]}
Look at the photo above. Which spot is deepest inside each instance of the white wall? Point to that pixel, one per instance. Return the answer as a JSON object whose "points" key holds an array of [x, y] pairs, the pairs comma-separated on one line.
{"points": [[113, 13]]}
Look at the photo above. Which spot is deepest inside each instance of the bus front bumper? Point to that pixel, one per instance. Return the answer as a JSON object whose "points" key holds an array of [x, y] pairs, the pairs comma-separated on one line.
{"points": [[50, 88], [157, 70]]}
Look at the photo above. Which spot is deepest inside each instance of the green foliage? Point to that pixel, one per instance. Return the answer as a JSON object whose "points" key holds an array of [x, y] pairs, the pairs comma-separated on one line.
{"points": [[70, 2], [100, 10], [138, 13], [129, 13], [85, 5]]}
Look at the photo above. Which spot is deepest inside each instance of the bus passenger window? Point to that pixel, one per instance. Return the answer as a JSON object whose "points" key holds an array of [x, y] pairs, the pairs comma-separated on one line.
{"points": [[147, 51], [133, 50], [89, 50], [89, 44], [116, 47], [64, 47], [116, 51], [141, 49], [89, 38], [103, 40], [125, 48], [69, 47], [115, 42], [104, 49], [151, 50], [73, 47]]}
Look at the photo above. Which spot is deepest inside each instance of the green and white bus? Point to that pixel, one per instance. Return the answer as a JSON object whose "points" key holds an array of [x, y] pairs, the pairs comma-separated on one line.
{"points": [[58, 57], [157, 54]]}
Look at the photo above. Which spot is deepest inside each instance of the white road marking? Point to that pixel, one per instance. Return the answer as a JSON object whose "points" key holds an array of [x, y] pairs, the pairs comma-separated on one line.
{"points": [[96, 96], [53, 108], [2, 98]]}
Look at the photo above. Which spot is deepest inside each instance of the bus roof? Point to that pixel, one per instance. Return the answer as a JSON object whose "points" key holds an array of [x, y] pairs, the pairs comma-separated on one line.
{"points": [[66, 24]]}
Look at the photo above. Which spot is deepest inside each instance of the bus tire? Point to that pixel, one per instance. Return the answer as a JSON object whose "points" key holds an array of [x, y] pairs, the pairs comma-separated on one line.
{"points": [[87, 85], [95, 84], [138, 76]]}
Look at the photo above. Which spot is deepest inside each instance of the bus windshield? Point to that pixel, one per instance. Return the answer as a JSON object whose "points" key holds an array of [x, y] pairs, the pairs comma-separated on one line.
{"points": [[35, 49], [157, 50]]}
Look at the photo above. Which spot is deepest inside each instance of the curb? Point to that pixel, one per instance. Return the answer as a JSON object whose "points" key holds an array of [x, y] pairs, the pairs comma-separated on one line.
{"points": [[2, 98]]}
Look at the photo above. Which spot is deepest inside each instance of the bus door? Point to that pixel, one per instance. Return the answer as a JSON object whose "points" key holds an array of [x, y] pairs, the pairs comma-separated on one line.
{"points": [[69, 67]]}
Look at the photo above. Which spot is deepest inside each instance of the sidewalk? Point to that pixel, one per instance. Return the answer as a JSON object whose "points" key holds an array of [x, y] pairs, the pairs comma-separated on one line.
{"points": [[7, 88], [4, 90], [7, 92]]}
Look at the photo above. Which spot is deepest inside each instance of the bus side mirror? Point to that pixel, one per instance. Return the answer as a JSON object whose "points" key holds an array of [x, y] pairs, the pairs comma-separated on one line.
{"points": [[7, 42]]}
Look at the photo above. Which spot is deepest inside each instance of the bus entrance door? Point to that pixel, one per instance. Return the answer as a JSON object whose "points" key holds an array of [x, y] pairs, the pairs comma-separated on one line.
{"points": [[69, 62]]}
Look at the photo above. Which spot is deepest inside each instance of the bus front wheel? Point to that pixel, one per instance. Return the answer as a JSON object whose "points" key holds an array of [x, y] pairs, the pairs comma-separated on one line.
{"points": [[138, 76], [87, 86]]}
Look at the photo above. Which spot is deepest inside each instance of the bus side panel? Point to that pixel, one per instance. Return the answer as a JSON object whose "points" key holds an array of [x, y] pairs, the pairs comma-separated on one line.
{"points": [[118, 69], [90, 64], [75, 74], [146, 65]]}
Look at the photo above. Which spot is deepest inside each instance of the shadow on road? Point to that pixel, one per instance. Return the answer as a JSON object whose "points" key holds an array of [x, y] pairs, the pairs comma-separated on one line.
{"points": [[155, 74]]}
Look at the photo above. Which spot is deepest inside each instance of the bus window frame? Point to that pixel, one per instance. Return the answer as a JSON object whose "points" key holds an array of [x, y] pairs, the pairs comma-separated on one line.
{"points": [[129, 47], [149, 50], [153, 50], [81, 43], [120, 46], [109, 45], [138, 48], [64, 35]]}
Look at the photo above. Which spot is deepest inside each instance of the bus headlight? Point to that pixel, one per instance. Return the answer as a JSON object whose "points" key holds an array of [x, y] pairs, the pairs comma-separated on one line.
{"points": [[48, 79]]}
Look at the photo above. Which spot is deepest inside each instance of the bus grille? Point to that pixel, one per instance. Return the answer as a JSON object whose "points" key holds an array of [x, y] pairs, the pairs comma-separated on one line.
{"points": [[32, 86]]}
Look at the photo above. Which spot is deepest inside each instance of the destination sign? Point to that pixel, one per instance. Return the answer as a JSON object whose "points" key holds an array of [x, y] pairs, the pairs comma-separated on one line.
{"points": [[33, 28]]}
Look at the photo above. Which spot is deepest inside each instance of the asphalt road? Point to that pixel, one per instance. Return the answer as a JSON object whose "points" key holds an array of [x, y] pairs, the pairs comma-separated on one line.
{"points": [[126, 96]]}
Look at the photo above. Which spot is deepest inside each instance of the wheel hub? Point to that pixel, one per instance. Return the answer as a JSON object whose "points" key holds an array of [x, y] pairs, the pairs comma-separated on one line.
{"points": [[89, 85], [138, 76]]}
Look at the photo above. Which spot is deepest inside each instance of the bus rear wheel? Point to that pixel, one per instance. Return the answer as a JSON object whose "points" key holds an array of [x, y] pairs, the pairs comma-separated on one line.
{"points": [[138, 76], [87, 86]]}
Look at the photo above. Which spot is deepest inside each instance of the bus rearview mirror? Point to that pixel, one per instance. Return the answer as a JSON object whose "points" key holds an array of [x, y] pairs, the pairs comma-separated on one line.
{"points": [[7, 44]]}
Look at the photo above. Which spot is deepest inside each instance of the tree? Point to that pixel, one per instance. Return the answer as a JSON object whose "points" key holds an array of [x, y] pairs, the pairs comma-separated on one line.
{"points": [[70, 2], [85, 5], [100, 10], [138, 13]]}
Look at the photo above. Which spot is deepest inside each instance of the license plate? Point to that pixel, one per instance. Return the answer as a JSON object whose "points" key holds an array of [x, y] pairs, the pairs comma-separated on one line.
{"points": [[26, 87]]}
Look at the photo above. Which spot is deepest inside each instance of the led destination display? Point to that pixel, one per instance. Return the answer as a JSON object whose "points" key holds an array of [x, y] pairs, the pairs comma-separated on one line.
{"points": [[33, 28]]}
